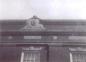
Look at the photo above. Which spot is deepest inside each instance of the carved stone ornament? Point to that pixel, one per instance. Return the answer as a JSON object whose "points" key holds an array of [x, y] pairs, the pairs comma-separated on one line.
{"points": [[33, 24]]}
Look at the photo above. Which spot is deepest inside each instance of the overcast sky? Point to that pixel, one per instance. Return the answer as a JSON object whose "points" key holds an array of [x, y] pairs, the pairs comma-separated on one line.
{"points": [[45, 9]]}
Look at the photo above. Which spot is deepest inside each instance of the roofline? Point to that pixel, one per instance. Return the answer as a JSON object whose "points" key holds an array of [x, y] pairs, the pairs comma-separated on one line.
{"points": [[50, 21], [54, 20]]}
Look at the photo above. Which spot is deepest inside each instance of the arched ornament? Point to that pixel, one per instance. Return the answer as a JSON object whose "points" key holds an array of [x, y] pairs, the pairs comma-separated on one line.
{"points": [[33, 24]]}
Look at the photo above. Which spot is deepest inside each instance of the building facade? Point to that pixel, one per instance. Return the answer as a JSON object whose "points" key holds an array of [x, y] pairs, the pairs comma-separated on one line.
{"points": [[41, 40]]}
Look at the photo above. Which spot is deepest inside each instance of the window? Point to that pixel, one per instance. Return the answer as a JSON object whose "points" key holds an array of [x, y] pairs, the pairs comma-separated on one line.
{"points": [[33, 54], [78, 55]]}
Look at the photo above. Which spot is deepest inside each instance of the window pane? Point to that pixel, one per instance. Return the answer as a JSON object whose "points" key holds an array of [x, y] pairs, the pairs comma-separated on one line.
{"points": [[31, 56]]}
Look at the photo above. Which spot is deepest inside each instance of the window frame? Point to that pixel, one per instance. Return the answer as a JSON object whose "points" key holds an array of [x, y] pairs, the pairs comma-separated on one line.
{"points": [[45, 47], [77, 50]]}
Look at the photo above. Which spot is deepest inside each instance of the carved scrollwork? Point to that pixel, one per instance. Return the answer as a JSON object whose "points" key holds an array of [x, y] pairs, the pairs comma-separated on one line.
{"points": [[33, 24]]}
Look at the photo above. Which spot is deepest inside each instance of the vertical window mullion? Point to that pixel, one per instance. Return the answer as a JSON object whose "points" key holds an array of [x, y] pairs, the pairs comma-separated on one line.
{"points": [[22, 56], [34, 58], [71, 58]]}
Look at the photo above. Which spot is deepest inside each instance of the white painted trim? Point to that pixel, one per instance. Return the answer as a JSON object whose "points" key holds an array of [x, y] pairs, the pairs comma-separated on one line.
{"points": [[77, 37], [22, 56], [71, 58], [32, 37], [77, 49]]}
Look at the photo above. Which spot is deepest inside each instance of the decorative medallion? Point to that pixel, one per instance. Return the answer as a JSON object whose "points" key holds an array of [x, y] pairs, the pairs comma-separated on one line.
{"points": [[33, 24]]}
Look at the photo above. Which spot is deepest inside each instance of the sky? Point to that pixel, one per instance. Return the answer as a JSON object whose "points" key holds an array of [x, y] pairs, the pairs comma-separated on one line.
{"points": [[45, 9]]}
